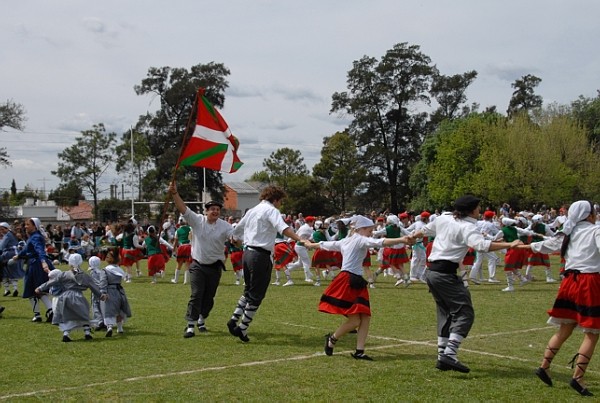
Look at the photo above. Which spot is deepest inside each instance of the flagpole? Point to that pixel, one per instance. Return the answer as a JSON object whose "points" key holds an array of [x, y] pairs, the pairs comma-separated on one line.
{"points": [[132, 201], [204, 187], [184, 141]]}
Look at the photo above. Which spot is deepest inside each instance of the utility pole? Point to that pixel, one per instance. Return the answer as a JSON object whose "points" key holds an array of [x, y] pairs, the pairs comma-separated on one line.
{"points": [[43, 180]]}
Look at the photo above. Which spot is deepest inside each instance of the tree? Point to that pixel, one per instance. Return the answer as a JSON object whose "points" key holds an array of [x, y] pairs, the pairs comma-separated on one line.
{"points": [[141, 158], [449, 92], [67, 194], [87, 160], [339, 169], [259, 176], [11, 115], [381, 97], [513, 160], [176, 89], [523, 98], [587, 112], [283, 165], [13, 188]]}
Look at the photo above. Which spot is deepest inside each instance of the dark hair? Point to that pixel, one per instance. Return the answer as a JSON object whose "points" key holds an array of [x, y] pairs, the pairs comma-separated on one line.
{"points": [[272, 193], [112, 256]]}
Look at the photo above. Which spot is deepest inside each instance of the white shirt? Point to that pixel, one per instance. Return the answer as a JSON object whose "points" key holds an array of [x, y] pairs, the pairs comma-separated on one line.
{"points": [[208, 242], [260, 226], [305, 232], [354, 250], [583, 253], [454, 237]]}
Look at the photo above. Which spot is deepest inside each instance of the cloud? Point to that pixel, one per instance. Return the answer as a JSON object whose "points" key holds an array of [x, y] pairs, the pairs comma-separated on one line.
{"points": [[276, 124], [244, 91], [510, 72], [289, 93], [105, 36], [296, 93]]}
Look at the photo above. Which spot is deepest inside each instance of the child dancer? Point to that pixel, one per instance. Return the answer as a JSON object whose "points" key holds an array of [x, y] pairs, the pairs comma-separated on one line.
{"points": [[348, 294], [72, 308], [116, 308], [96, 274]]}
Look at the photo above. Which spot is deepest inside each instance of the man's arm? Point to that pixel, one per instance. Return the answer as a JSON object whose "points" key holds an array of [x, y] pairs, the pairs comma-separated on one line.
{"points": [[176, 198]]}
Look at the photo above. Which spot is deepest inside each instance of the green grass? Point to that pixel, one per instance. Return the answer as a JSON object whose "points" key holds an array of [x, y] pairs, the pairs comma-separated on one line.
{"points": [[284, 360]]}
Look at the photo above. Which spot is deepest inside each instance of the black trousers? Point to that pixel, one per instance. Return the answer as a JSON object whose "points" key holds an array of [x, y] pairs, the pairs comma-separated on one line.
{"points": [[258, 266], [204, 280]]}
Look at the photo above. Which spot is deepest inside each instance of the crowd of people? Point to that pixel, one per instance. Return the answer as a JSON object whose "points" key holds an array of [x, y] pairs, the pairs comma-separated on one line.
{"points": [[444, 250]]}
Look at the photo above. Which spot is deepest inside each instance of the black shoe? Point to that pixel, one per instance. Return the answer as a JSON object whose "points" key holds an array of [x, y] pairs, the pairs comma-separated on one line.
{"points": [[101, 326], [543, 375], [15, 293], [231, 325], [580, 389], [328, 350], [441, 366], [188, 332], [6, 293], [202, 329], [454, 364], [88, 336], [109, 332], [238, 332], [1, 309], [49, 315], [361, 356], [37, 318], [66, 339]]}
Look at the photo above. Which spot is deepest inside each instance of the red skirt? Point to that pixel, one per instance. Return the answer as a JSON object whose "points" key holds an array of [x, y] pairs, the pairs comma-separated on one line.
{"points": [[283, 254], [130, 256], [394, 257], [184, 253], [340, 299], [578, 299], [428, 249], [337, 258], [156, 264], [323, 259], [538, 259], [236, 260], [514, 259], [469, 258]]}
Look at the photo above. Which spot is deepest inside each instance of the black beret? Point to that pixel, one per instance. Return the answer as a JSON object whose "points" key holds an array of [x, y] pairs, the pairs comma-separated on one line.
{"points": [[211, 203], [466, 204]]}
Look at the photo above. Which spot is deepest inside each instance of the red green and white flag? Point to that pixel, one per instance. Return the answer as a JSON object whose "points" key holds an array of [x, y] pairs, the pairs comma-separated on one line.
{"points": [[212, 145]]}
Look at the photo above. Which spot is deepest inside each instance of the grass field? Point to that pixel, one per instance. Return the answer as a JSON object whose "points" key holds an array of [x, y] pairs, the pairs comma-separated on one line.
{"points": [[284, 360]]}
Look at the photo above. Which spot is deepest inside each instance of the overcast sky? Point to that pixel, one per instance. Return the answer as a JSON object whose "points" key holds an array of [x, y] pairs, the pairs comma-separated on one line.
{"points": [[73, 64]]}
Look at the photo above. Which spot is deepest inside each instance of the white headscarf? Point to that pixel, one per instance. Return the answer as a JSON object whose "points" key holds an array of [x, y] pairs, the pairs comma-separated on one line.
{"points": [[363, 222], [75, 260], [507, 222], [38, 225], [94, 262], [579, 211]]}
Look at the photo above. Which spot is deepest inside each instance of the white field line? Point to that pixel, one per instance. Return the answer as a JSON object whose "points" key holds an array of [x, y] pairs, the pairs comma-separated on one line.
{"points": [[398, 343]]}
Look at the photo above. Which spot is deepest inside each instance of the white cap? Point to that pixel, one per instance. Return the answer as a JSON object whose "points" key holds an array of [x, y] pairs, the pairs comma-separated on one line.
{"points": [[362, 222]]}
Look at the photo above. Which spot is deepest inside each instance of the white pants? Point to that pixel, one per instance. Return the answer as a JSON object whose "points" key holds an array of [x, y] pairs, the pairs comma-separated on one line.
{"points": [[492, 259], [303, 260], [417, 262]]}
